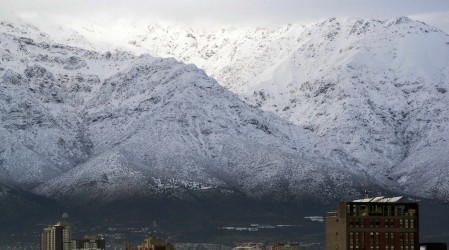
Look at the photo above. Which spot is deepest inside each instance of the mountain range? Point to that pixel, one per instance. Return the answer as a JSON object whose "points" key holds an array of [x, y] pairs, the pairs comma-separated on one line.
{"points": [[319, 111]]}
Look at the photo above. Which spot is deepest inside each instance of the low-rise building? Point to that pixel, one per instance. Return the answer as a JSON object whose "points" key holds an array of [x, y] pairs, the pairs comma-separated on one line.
{"points": [[90, 243], [155, 244], [284, 246], [249, 246], [432, 246]]}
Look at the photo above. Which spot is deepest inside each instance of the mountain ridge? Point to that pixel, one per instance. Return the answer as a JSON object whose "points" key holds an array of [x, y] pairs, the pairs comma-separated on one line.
{"points": [[114, 125], [337, 78], [354, 103]]}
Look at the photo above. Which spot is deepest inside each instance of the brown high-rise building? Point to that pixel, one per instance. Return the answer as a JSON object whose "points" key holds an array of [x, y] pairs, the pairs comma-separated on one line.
{"points": [[373, 223]]}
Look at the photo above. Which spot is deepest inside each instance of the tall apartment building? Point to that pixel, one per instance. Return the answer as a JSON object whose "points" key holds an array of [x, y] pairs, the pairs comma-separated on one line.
{"points": [[57, 237], [373, 223]]}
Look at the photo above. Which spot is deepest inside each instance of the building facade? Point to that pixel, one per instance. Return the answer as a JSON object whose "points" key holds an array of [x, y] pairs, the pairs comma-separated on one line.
{"points": [[373, 223], [284, 246], [89, 243], [432, 246], [57, 237], [155, 244], [249, 246]]}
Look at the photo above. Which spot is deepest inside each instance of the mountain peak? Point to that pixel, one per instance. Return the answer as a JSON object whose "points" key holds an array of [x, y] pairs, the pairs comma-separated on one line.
{"points": [[342, 102]]}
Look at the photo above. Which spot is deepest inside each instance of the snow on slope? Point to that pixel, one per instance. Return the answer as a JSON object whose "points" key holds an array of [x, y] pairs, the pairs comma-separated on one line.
{"points": [[372, 95], [42, 86], [376, 89], [233, 56], [163, 119], [436, 19], [78, 125], [362, 84]]}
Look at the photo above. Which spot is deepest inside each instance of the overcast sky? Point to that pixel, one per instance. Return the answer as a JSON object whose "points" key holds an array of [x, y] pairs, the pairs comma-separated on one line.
{"points": [[191, 12]]}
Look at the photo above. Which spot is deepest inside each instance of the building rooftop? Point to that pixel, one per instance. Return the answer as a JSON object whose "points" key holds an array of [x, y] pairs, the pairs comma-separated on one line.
{"points": [[380, 199]]}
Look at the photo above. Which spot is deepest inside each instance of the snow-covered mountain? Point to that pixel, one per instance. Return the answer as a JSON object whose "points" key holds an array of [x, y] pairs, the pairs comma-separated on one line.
{"points": [[79, 126], [375, 89], [335, 107]]}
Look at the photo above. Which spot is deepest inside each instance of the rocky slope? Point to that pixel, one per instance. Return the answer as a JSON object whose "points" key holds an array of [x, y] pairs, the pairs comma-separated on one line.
{"points": [[375, 89], [347, 103], [82, 126]]}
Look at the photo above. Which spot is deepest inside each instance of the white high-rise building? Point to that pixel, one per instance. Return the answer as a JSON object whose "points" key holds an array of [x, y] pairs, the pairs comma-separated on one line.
{"points": [[57, 237]]}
